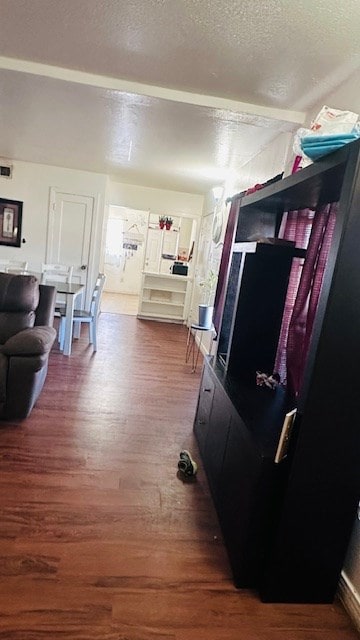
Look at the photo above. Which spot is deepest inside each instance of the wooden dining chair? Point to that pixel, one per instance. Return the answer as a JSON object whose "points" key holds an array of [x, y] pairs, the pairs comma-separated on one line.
{"points": [[89, 317]]}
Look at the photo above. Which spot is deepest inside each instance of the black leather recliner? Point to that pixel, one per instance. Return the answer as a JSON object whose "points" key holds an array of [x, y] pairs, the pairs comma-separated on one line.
{"points": [[26, 338]]}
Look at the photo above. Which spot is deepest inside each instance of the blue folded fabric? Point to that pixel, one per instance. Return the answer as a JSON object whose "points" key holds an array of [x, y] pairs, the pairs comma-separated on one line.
{"points": [[317, 146], [328, 147], [329, 143], [316, 152], [340, 137]]}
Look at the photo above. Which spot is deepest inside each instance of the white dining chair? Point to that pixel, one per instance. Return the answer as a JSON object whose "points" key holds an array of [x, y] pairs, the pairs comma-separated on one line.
{"points": [[17, 267], [56, 272], [89, 317], [51, 272]]}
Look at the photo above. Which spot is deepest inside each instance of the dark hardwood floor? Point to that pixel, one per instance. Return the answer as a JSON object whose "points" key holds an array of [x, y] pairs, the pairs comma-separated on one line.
{"points": [[99, 538]]}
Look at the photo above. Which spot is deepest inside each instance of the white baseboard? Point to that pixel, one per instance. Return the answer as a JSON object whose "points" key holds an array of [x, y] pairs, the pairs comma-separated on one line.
{"points": [[350, 598]]}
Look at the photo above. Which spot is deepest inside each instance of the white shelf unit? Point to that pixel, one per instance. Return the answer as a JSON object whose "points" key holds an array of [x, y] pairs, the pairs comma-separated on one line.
{"points": [[164, 297]]}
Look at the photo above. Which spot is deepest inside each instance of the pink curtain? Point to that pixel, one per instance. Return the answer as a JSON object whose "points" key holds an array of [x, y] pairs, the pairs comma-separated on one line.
{"points": [[312, 231], [297, 228]]}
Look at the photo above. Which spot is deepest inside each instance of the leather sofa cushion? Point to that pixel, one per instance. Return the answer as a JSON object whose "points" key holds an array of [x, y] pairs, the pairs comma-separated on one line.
{"points": [[12, 323], [30, 342], [17, 303]]}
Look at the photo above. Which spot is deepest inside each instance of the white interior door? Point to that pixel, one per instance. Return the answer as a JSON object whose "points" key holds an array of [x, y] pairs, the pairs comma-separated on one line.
{"points": [[124, 249], [153, 250], [69, 232]]}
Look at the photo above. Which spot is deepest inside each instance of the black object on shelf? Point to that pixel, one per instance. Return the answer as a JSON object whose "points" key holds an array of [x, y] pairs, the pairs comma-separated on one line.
{"points": [[179, 269]]}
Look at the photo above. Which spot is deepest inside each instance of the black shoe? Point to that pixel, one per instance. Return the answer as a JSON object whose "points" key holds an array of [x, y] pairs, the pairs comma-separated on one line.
{"points": [[186, 464]]}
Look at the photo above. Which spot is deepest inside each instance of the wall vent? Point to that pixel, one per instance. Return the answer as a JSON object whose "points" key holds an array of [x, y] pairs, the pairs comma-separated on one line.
{"points": [[6, 170]]}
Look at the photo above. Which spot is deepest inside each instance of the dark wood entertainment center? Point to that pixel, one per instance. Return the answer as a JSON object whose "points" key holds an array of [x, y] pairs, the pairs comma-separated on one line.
{"points": [[286, 526]]}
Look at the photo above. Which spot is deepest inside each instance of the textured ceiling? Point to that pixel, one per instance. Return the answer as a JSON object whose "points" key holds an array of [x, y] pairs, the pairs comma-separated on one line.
{"points": [[91, 107]]}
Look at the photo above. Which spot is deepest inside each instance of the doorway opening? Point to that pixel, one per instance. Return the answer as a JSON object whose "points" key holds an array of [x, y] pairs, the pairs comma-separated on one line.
{"points": [[123, 259]]}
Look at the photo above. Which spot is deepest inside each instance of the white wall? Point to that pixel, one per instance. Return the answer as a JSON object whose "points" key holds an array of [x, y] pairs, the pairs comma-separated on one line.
{"points": [[267, 164], [31, 184], [345, 97], [123, 269], [156, 201], [159, 201]]}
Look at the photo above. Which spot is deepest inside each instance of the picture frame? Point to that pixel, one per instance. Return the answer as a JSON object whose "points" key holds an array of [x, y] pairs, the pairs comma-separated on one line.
{"points": [[10, 222]]}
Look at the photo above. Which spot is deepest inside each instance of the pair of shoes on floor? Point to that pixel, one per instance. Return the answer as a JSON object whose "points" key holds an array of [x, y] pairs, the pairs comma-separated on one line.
{"points": [[186, 464]]}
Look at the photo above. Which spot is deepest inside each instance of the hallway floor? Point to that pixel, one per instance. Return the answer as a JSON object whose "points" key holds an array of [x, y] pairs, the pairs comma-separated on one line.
{"points": [[99, 537], [119, 303]]}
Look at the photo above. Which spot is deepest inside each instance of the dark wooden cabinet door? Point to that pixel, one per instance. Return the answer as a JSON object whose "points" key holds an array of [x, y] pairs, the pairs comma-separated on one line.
{"points": [[202, 418], [240, 503], [216, 440]]}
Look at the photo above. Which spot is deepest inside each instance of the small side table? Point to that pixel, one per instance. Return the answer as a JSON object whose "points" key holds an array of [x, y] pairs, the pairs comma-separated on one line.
{"points": [[192, 347]]}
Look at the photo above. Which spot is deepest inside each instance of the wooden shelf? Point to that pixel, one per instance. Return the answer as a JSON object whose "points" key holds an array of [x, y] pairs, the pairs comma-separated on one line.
{"points": [[164, 296], [168, 303], [319, 183]]}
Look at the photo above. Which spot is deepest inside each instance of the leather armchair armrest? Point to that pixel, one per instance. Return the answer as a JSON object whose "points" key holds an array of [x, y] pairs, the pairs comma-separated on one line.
{"points": [[30, 342]]}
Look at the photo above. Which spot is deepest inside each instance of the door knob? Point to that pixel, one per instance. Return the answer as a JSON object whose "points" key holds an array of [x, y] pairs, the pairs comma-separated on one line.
{"points": [[83, 267]]}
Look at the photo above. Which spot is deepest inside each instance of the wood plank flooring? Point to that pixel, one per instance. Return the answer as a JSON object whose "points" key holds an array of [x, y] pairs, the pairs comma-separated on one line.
{"points": [[120, 303], [99, 538]]}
